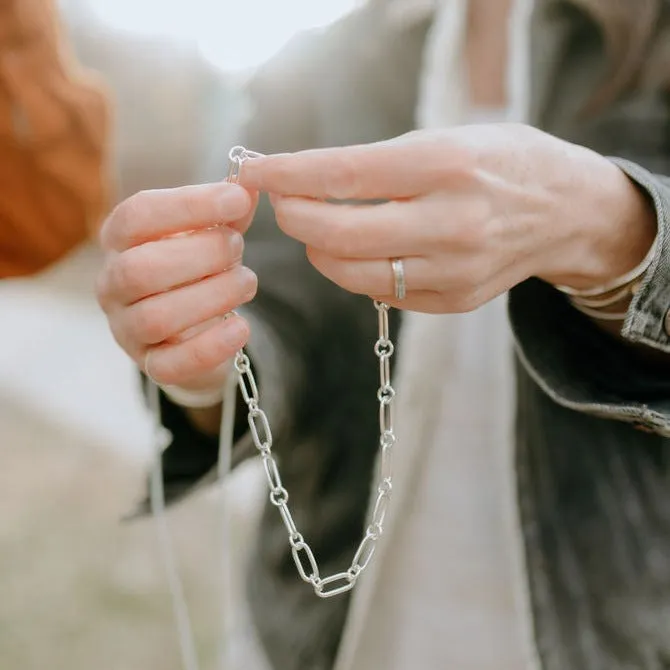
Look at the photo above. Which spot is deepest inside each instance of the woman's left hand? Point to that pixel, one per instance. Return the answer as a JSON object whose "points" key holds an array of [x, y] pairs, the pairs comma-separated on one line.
{"points": [[471, 211]]}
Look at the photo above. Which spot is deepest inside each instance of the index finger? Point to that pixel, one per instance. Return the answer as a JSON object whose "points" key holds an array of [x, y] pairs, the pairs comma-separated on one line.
{"points": [[152, 215], [385, 170]]}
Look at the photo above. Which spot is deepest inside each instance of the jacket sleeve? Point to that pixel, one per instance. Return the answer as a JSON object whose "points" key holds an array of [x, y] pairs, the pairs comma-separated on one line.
{"points": [[583, 368], [53, 141]]}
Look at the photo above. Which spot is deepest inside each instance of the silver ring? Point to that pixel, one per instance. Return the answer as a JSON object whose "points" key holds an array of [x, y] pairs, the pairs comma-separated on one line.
{"points": [[399, 285]]}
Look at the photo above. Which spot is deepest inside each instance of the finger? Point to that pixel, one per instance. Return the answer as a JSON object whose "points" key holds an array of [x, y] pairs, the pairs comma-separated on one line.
{"points": [[181, 363], [426, 302], [356, 231], [453, 301], [156, 267], [152, 215], [164, 316], [372, 276], [386, 170]]}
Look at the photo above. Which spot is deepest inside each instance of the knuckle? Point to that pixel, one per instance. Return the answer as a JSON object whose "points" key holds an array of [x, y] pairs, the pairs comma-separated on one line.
{"points": [[200, 359], [281, 171], [164, 371], [126, 274], [148, 324], [103, 289], [286, 215], [471, 237], [280, 214], [343, 180], [338, 238], [191, 204], [124, 224], [105, 236], [461, 170], [472, 227]]}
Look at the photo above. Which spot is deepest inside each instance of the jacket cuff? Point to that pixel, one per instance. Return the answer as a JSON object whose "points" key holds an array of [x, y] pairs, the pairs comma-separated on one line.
{"points": [[648, 319], [581, 367]]}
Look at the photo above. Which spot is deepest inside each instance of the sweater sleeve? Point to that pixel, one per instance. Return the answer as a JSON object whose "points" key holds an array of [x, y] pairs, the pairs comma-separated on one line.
{"points": [[54, 138]]}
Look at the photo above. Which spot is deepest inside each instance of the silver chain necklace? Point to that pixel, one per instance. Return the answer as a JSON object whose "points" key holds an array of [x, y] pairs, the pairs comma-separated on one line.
{"points": [[303, 556]]}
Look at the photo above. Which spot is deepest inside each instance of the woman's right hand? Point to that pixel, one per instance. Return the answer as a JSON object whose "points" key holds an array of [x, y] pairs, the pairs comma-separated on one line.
{"points": [[172, 271]]}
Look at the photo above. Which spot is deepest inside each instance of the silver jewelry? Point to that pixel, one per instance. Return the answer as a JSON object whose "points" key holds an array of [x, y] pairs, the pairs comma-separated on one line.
{"points": [[399, 285], [303, 557], [618, 282], [599, 315]]}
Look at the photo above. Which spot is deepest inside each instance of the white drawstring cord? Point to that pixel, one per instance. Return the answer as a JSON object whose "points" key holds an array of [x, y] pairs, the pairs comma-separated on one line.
{"points": [[226, 438], [183, 623], [157, 499]]}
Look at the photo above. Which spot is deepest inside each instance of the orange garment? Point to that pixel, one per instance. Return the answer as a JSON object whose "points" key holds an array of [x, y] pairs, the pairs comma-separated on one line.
{"points": [[54, 126]]}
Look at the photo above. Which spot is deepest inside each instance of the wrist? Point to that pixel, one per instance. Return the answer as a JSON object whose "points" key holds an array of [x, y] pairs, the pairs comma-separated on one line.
{"points": [[610, 231]]}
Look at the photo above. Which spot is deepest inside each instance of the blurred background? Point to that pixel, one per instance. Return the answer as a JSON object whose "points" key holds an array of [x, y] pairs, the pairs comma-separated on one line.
{"points": [[79, 589]]}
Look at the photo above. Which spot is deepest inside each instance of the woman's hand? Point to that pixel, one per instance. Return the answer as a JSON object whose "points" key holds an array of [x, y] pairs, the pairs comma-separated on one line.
{"points": [[471, 211], [172, 271]]}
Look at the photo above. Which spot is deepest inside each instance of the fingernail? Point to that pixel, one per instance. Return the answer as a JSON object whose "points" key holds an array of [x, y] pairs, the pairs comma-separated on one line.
{"points": [[236, 244], [235, 333], [249, 282]]}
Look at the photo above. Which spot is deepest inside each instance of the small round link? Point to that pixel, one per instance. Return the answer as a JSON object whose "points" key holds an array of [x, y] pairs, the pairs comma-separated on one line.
{"points": [[303, 556], [385, 394], [279, 497], [384, 348], [385, 487], [242, 363], [375, 531], [353, 572], [296, 540]]}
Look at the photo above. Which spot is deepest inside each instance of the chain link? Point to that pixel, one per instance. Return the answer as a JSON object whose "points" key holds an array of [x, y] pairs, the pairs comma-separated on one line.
{"points": [[303, 556]]}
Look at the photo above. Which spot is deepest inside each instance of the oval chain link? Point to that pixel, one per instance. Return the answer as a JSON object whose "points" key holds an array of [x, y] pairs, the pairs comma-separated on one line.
{"points": [[303, 556]]}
